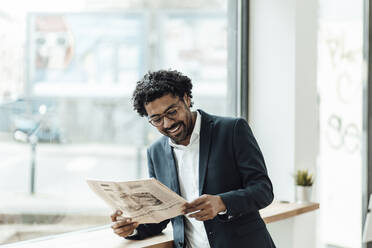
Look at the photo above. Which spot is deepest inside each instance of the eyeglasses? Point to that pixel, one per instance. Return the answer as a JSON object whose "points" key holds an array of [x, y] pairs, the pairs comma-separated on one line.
{"points": [[158, 120]]}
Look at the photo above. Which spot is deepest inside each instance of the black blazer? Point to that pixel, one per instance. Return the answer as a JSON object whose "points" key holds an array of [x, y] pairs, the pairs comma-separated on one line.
{"points": [[230, 165]]}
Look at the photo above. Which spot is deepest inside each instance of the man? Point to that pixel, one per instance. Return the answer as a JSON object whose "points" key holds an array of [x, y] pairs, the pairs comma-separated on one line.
{"points": [[213, 162]]}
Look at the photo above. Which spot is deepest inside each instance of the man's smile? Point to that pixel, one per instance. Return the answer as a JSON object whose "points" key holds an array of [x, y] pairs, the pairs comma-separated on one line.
{"points": [[174, 129]]}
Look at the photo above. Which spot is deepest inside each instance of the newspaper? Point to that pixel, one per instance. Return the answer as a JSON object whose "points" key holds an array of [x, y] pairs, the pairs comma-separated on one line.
{"points": [[144, 201]]}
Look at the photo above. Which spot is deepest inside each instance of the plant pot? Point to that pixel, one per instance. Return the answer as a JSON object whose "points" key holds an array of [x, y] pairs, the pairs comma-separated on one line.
{"points": [[303, 194]]}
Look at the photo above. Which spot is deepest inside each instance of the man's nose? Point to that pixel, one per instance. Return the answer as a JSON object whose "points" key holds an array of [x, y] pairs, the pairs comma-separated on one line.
{"points": [[167, 123]]}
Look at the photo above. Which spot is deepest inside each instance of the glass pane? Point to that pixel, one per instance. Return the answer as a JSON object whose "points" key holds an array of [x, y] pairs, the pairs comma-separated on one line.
{"points": [[65, 89], [196, 44], [340, 84]]}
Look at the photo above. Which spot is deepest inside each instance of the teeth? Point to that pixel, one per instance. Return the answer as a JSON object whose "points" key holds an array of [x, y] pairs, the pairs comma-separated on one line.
{"points": [[174, 129]]}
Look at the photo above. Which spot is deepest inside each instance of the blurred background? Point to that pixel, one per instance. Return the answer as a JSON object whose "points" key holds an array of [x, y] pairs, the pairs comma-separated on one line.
{"points": [[67, 73], [68, 69]]}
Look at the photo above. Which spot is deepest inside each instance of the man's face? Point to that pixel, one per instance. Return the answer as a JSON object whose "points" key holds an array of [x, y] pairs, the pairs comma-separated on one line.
{"points": [[179, 125]]}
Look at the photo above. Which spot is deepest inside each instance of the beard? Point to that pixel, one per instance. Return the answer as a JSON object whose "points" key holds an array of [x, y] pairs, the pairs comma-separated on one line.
{"points": [[180, 136], [185, 130]]}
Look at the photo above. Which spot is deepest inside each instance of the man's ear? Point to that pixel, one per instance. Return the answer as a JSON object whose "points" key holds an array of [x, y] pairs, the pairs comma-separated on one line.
{"points": [[187, 100]]}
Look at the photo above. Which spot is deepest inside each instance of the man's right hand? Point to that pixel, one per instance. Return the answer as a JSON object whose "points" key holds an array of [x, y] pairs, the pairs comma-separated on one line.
{"points": [[122, 226]]}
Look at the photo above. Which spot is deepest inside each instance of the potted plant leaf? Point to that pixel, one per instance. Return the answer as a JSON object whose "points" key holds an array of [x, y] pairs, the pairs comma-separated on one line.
{"points": [[304, 182]]}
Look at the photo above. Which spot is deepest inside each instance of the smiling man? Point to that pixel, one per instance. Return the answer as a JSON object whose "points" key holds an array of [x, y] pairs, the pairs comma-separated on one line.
{"points": [[213, 162]]}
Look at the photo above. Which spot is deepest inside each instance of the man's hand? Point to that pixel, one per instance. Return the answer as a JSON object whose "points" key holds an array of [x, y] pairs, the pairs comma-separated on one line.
{"points": [[208, 206], [122, 226]]}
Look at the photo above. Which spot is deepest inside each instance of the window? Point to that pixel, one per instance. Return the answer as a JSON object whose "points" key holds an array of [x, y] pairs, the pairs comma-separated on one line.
{"points": [[65, 89]]}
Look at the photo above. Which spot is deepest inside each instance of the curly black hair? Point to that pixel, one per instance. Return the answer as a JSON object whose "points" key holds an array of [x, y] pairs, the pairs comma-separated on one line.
{"points": [[156, 84]]}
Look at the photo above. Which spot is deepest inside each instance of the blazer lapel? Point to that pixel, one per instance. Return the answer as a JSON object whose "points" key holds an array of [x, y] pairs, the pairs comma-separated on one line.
{"points": [[171, 168], [204, 150]]}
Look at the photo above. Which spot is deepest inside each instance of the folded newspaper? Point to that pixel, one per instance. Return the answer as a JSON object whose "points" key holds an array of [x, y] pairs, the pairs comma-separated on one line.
{"points": [[144, 201]]}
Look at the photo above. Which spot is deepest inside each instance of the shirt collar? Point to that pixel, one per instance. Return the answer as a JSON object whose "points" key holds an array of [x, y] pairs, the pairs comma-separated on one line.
{"points": [[194, 135]]}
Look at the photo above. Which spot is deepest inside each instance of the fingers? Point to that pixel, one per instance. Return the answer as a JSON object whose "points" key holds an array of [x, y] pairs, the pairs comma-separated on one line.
{"points": [[199, 200], [185, 206], [204, 217], [121, 223], [126, 230], [199, 213], [196, 205], [197, 208], [202, 208], [124, 227], [115, 215]]}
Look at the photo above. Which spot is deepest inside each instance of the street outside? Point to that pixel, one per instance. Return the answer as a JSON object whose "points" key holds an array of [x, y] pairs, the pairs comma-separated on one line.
{"points": [[62, 201], [61, 171]]}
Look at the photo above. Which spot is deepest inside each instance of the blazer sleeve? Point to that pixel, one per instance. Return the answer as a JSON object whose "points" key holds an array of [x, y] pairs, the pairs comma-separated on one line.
{"points": [[257, 190], [148, 230]]}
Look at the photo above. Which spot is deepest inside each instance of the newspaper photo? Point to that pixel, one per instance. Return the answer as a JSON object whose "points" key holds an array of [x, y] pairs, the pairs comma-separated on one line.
{"points": [[144, 201]]}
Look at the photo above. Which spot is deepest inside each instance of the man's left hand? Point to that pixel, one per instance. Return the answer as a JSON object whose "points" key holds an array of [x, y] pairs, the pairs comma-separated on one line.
{"points": [[208, 206]]}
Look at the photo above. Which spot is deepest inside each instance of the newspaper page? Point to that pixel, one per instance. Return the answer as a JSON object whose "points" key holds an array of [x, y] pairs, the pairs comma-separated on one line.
{"points": [[144, 201]]}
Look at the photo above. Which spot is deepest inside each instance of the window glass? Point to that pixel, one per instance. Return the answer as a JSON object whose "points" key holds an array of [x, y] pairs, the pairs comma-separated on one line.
{"points": [[340, 85], [66, 77]]}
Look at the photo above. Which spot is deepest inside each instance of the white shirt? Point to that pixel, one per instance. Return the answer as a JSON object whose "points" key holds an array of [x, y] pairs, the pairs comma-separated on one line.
{"points": [[187, 162]]}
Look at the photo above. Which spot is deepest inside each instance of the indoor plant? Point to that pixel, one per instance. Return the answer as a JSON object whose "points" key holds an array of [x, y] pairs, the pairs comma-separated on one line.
{"points": [[304, 181]]}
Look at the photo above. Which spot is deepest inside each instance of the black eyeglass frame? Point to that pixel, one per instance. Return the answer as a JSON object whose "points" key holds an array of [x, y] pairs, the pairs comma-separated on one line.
{"points": [[167, 114]]}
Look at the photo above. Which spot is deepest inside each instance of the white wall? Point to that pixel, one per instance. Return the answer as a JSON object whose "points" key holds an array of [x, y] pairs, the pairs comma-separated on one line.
{"points": [[271, 89], [306, 106], [283, 97]]}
